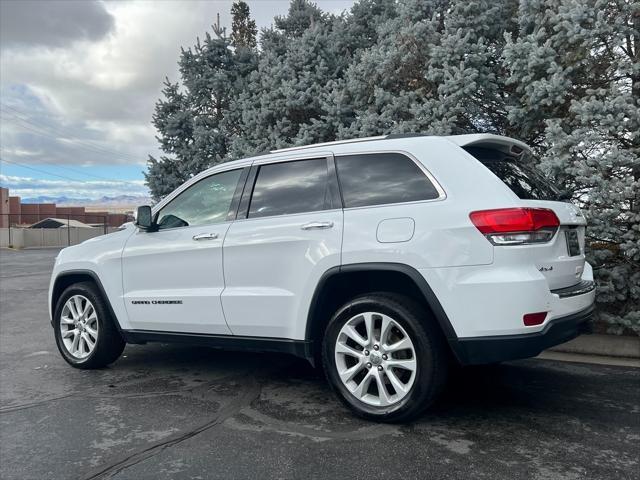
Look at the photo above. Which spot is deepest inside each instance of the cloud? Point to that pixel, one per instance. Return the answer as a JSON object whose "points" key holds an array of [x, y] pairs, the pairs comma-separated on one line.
{"points": [[27, 187], [52, 23], [99, 91], [31, 133], [82, 91]]}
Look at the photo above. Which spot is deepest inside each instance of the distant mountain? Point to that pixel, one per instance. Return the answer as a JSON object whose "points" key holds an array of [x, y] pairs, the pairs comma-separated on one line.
{"points": [[58, 200], [123, 200], [118, 200]]}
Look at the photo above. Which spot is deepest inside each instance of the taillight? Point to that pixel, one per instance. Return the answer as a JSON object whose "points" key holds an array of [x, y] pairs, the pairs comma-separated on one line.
{"points": [[516, 226]]}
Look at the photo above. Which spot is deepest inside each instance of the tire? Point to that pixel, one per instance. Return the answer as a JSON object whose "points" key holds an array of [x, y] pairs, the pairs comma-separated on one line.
{"points": [[98, 326], [412, 391]]}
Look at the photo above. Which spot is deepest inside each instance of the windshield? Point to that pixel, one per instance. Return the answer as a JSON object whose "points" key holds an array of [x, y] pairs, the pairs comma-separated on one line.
{"points": [[525, 181]]}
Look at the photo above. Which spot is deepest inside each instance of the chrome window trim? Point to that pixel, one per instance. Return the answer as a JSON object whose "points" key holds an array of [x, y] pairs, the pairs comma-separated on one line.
{"points": [[222, 168], [162, 230], [292, 157], [319, 212]]}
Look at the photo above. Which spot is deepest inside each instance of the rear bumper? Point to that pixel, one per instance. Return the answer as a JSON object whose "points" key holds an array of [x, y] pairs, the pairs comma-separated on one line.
{"points": [[490, 301], [490, 349]]}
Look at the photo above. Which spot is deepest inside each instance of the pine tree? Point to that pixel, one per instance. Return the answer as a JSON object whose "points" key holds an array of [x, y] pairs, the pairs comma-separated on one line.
{"points": [[282, 104], [302, 16], [193, 131], [174, 122], [243, 27]]}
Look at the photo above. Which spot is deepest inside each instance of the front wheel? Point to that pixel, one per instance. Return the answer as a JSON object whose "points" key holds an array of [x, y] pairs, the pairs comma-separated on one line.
{"points": [[384, 357], [85, 331]]}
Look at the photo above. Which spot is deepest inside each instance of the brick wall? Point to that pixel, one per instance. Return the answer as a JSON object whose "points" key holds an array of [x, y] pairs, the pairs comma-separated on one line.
{"points": [[14, 210], [74, 213], [29, 213], [117, 219], [4, 207], [46, 210]]}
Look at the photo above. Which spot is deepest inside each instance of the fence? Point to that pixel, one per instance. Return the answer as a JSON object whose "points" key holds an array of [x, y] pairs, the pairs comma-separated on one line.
{"points": [[37, 230]]}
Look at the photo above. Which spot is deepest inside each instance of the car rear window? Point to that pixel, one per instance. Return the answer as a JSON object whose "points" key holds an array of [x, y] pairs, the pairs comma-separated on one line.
{"points": [[382, 178], [526, 182]]}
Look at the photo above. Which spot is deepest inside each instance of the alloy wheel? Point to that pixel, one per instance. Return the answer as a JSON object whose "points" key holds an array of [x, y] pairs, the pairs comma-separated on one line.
{"points": [[79, 326], [375, 359]]}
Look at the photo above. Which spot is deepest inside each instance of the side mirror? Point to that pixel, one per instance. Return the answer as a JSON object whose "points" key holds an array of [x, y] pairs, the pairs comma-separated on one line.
{"points": [[144, 218]]}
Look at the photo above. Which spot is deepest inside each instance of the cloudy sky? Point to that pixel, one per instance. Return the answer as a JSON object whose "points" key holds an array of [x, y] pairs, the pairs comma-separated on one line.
{"points": [[78, 83]]}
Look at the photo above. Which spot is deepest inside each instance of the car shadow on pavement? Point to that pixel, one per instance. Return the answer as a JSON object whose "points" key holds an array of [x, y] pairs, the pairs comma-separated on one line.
{"points": [[525, 387]]}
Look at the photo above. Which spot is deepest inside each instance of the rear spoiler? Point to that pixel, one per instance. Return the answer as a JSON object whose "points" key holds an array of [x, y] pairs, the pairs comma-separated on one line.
{"points": [[489, 140]]}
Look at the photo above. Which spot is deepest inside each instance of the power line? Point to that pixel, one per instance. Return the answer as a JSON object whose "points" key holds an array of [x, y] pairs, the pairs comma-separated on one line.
{"points": [[74, 144], [39, 128], [46, 130], [81, 172], [44, 171], [98, 177], [62, 131], [68, 178], [43, 133], [48, 134]]}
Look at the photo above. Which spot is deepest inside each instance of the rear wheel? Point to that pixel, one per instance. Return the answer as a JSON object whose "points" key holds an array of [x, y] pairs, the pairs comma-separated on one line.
{"points": [[384, 357], [85, 331]]}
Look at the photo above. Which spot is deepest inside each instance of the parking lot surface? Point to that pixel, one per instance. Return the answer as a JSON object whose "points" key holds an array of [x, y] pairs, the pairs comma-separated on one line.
{"points": [[175, 411]]}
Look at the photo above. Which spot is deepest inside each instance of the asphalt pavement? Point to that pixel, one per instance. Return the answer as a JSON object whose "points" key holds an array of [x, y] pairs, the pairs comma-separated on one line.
{"points": [[175, 411]]}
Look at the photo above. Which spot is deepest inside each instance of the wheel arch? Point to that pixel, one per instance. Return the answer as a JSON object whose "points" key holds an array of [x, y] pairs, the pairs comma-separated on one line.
{"points": [[69, 277], [340, 283]]}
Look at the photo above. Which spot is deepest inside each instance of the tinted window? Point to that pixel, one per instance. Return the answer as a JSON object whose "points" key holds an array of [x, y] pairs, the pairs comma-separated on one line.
{"points": [[379, 178], [523, 180], [203, 203], [291, 187]]}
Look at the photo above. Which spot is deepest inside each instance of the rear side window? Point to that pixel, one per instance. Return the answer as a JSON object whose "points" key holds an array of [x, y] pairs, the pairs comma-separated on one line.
{"points": [[380, 178], [291, 187], [523, 180]]}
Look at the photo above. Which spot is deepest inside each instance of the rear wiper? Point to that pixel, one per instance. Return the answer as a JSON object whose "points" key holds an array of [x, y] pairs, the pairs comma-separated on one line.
{"points": [[565, 195]]}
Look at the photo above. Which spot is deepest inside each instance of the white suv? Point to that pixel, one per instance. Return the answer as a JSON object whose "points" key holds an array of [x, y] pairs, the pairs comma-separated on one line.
{"points": [[383, 258]]}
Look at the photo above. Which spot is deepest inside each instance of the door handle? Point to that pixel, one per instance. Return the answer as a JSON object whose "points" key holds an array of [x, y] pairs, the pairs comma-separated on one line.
{"points": [[205, 236], [316, 225]]}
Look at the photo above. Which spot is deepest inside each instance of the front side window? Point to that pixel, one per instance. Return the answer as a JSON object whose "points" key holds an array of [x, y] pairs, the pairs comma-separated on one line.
{"points": [[203, 203], [291, 187], [381, 178]]}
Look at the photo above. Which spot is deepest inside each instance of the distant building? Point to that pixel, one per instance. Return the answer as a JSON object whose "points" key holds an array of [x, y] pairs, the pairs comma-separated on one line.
{"points": [[59, 223], [15, 213], [4, 207]]}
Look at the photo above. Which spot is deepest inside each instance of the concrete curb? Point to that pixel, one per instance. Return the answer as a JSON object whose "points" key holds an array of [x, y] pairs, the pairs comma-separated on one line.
{"points": [[591, 359], [602, 345]]}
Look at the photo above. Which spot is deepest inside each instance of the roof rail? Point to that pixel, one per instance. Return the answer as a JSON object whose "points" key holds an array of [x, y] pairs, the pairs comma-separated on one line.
{"points": [[338, 142], [404, 135]]}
